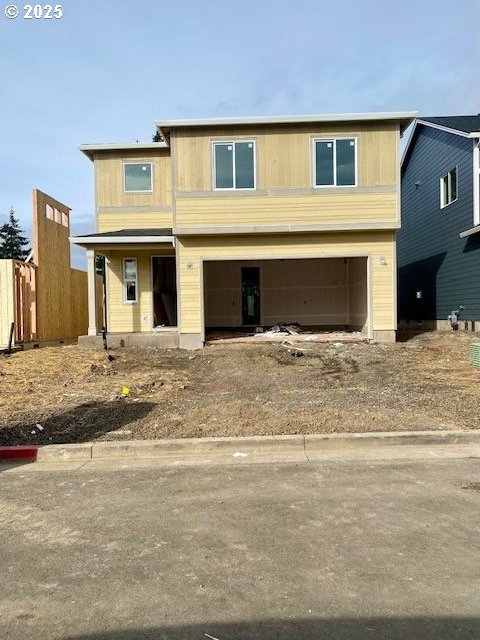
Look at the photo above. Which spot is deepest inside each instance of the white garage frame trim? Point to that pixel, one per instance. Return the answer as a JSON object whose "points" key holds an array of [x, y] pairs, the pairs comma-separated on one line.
{"points": [[314, 256]]}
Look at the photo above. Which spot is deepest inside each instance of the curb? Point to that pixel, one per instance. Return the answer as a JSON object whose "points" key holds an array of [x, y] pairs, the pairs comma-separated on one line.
{"points": [[19, 453], [237, 447]]}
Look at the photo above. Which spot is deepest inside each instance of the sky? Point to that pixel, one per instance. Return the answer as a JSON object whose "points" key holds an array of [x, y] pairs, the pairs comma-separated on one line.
{"points": [[107, 69]]}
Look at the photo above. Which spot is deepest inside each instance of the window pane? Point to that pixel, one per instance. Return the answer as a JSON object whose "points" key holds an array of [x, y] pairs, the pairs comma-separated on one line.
{"points": [[453, 185], [131, 289], [445, 190], [223, 166], [324, 163], [138, 177], [244, 169], [130, 269], [345, 162]]}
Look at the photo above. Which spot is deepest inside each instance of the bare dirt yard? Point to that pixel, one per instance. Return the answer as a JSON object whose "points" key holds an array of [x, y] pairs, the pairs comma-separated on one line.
{"points": [[424, 382]]}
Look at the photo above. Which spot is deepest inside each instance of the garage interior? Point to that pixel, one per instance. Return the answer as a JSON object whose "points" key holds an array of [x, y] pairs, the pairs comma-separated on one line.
{"points": [[320, 294]]}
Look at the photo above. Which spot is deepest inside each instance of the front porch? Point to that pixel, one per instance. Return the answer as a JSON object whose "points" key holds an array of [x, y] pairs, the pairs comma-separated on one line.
{"points": [[140, 297]]}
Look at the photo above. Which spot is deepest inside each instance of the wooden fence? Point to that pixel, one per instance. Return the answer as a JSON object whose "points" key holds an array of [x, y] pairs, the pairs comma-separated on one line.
{"points": [[24, 278]]}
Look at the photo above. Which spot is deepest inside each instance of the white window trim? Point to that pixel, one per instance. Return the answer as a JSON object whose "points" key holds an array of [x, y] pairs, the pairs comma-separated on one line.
{"points": [[214, 168], [314, 162], [443, 205], [124, 164], [124, 282], [476, 183]]}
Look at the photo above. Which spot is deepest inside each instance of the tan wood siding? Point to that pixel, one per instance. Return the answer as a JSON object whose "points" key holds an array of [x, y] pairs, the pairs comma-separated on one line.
{"points": [[123, 317], [316, 208], [377, 244], [133, 220], [284, 154], [109, 191], [283, 169]]}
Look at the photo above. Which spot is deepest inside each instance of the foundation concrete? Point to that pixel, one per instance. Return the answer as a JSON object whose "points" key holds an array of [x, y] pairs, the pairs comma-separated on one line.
{"points": [[191, 341], [161, 340], [384, 336]]}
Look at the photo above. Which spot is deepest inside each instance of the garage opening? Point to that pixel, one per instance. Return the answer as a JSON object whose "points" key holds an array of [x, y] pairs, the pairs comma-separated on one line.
{"points": [[320, 294]]}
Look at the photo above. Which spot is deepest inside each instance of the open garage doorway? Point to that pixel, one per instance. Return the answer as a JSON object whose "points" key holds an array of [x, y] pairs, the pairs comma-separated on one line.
{"points": [[317, 294]]}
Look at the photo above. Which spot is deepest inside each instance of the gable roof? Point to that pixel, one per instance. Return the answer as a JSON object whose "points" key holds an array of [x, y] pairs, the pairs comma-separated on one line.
{"points": [[465, 126]]}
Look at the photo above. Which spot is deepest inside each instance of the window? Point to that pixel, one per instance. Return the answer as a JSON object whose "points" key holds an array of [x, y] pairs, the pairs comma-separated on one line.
{"points": [[137, 176], [130, 280], [234, 165], [448, 188], [335, 162]]}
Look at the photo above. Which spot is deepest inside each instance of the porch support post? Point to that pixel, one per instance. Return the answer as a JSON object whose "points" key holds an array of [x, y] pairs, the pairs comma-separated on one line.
{"points": [[92, 307]]}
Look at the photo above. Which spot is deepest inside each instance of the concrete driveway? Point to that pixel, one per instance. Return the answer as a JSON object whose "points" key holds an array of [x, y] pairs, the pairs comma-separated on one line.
{"points": [[327, 550]]}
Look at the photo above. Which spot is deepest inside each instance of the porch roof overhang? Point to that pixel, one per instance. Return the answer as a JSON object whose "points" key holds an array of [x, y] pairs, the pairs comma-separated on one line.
{"points": [[114, 239]]}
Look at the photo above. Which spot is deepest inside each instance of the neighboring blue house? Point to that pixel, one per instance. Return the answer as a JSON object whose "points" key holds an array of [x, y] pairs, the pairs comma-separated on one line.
{"points": [[438, 246]]}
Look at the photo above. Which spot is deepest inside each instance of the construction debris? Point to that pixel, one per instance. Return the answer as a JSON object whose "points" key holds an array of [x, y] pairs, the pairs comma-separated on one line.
{"points": [[290, 328]]}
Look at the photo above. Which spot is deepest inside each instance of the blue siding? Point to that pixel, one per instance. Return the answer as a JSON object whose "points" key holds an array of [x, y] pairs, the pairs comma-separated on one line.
{"points": [[431, 255]]}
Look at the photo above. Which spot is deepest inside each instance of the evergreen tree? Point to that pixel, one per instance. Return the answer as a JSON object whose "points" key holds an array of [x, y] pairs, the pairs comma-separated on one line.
{"points": [[12, 243]]}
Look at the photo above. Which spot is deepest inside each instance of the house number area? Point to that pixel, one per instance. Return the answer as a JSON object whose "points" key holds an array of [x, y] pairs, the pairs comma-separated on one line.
{"points": [[34, 11]]}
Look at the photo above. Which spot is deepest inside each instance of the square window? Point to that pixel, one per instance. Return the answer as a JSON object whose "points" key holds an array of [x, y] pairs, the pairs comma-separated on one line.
{"points": [[234, 165], [137, 177]]}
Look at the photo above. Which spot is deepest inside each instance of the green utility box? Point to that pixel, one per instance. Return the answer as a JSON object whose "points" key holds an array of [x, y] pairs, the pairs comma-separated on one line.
{"points": [[476, 355]]}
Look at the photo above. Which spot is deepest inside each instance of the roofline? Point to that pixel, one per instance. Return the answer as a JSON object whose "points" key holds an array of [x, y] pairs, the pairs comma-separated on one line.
{"points": [[434, 125], [86, 240], [406, 116], [90, 149], [409, 142], [426, 123]]}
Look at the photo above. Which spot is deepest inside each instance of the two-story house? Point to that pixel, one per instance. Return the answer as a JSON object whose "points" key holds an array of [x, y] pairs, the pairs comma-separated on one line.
{"points": [[439, 244], [241, 222]]}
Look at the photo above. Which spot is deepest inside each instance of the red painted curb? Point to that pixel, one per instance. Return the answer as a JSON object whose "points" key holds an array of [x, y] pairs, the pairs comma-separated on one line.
{"points": [[28, 452]]}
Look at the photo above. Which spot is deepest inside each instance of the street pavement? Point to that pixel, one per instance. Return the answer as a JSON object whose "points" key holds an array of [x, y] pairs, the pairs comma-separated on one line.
{"points": [[365, 549]]}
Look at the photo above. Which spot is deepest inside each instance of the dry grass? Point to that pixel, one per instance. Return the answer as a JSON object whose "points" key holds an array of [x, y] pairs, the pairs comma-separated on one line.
{"points": [[426, 382]]}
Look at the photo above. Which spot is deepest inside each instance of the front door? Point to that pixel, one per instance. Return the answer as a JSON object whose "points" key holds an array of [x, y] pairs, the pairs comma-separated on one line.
{"points": [[250, 295]]}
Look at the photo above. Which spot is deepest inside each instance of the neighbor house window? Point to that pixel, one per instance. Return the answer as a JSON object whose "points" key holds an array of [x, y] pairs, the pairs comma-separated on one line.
{"points": [[335, 162], [137, 176], [448, 188], [130, 279], [234, 165]]}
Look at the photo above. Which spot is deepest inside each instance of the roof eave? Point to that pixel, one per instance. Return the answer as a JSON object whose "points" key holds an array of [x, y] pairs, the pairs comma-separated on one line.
{"points": [[90, 149], [403, 117], [86, 241]]}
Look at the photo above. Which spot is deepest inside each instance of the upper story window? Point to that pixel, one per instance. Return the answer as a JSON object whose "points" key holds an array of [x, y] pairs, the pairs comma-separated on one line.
{"points": [[448, 187], [335, 162], [234, 165], [137, 177]]}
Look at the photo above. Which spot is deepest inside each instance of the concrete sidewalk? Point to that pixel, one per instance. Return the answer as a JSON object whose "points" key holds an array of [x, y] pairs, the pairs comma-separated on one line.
{"points": [[287, 551]]}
